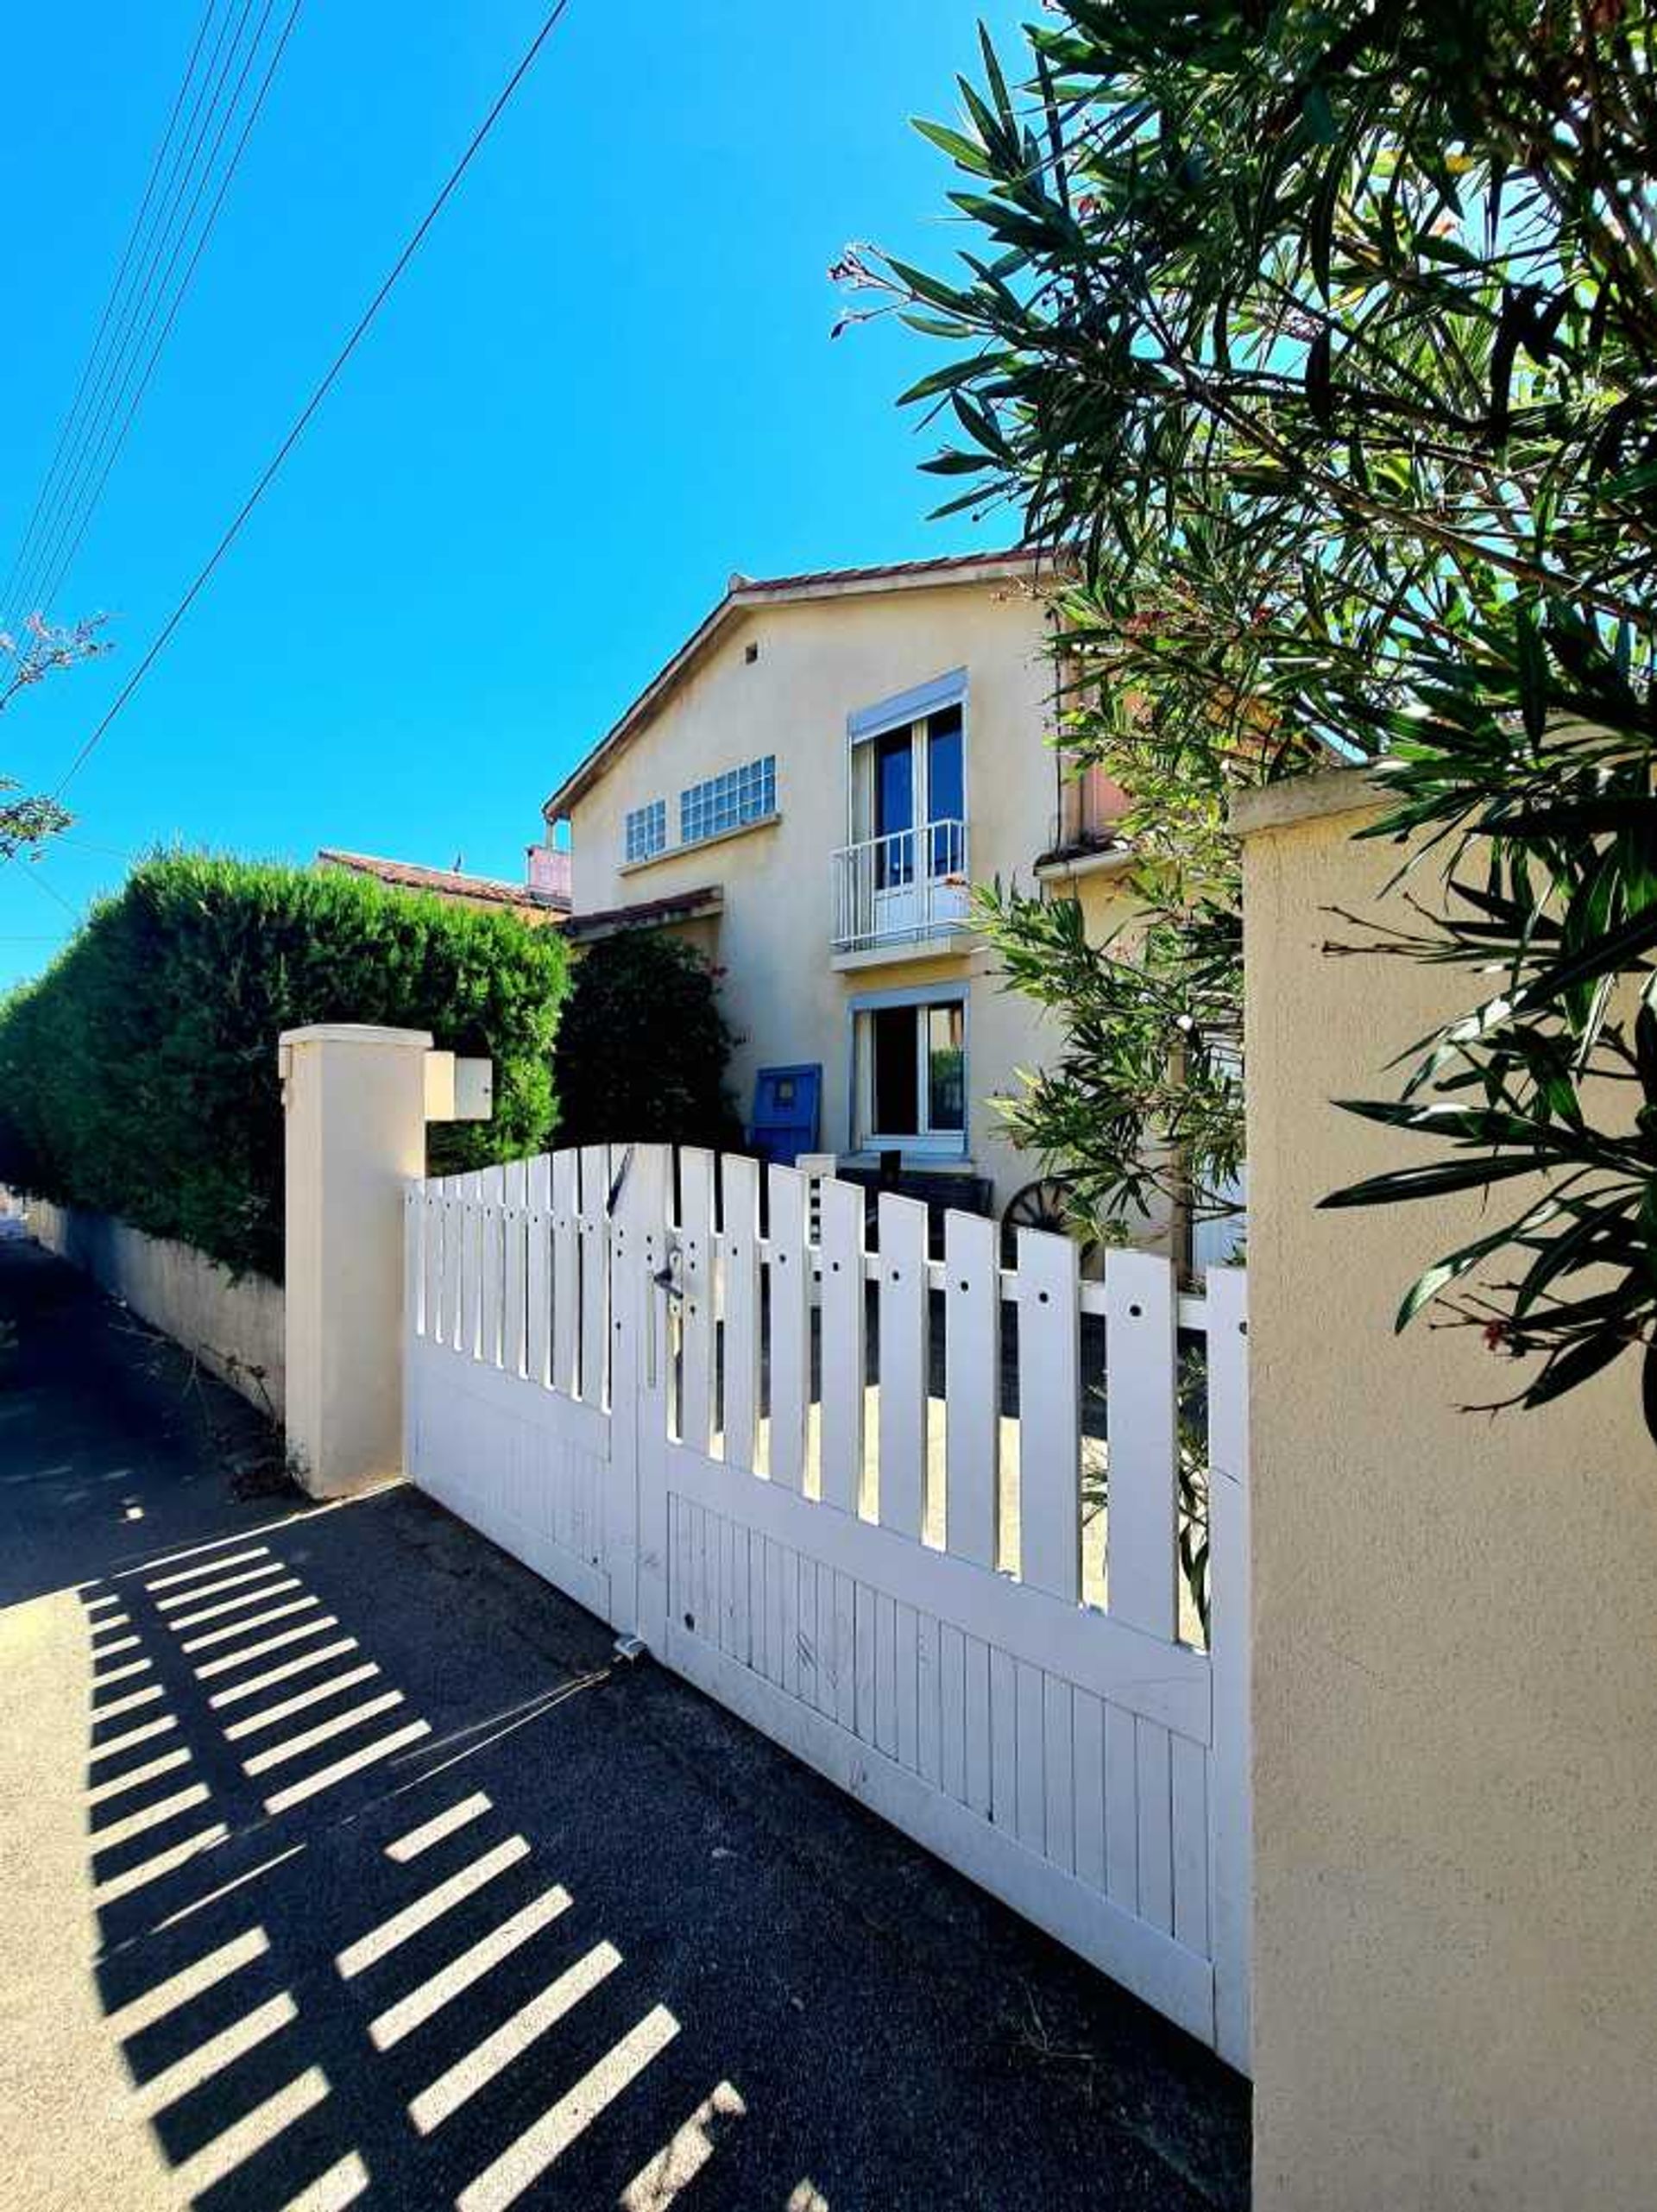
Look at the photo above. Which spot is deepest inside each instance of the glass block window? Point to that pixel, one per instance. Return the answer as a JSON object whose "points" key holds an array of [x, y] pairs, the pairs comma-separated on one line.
{"points": [[746, 794], [647, 831]]}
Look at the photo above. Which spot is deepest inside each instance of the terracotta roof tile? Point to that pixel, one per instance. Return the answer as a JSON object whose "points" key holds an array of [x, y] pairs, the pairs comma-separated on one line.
{"points": [[445, 883]]}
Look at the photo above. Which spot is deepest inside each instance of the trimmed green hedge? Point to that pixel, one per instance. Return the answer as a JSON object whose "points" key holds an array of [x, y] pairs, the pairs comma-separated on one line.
{"points": [[138, 1074]]}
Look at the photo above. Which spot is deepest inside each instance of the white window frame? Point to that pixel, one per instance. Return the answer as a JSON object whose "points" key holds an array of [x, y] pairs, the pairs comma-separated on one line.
{"points": [[653, 835], [944, 1144], [763, 772], [912, 709]]}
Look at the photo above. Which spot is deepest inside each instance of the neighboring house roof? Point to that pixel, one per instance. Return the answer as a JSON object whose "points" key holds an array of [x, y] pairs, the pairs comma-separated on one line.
{"points": [[645, 914], [745, 592], [450, 882]]}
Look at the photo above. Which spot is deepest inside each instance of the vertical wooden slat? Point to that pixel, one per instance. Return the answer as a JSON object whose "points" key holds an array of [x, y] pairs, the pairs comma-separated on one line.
{"points": [[1031, 1734], [514, 1287], [493, 1262], [1231, 1818], [431, 1262], [696, 1304], [1188, 1773], [707, 1574], [1156, 1825], [790, 1296], [885, 1673], [845, 1607], [1121, 1810], [635, 1486], [1050, 1467], [734, 1590], [843, 1348], [595, 1187], [971, 1350], [537, 1270], [863, 1660], [779, 1574], [537, 1296], [566, 1272], [1002, 1739], [806, 1630], [1141, 1405], [928, 1761], [827, 1648], [454, 1231], [903, 1363], [1058, 1772], [952, 1710], [739, 1259], [1087, 1739], [908, 1744], [979, 1746], [471, 1273]]}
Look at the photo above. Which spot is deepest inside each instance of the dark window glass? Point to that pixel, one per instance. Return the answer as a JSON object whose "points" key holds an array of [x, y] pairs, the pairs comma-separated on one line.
{"points": [[894, 808], [897, 1102], [946, 792]]}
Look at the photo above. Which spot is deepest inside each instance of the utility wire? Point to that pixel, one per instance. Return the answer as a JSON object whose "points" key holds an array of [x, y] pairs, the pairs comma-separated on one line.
{"points": [[550, 23], [33, 875], [145, 295], [67, 556], [12, 576]]}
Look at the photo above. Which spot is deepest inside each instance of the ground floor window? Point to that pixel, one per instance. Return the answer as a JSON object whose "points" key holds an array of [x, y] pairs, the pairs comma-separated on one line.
{"points": [[910, 1071]]}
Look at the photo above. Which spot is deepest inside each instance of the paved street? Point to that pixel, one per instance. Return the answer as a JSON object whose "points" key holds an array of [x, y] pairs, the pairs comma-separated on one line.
{"points": [[338, 1863]]}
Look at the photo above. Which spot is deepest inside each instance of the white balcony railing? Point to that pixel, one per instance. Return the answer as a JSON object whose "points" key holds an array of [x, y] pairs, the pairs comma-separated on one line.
{"points": [[911, 883]]}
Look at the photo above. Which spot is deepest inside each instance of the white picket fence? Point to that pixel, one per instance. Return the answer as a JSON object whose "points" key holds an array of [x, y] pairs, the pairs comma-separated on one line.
{"points": [[897, 1565]]}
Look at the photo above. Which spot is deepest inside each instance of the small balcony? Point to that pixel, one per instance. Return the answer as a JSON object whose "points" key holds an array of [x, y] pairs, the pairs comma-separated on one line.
{"points": [[901, 888]]}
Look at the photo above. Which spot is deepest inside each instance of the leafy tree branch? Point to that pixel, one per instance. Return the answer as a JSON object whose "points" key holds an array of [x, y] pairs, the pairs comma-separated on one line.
{"points": [[1322, 354]]}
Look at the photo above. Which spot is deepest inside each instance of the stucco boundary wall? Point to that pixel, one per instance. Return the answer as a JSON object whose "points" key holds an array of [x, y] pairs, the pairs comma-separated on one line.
{"points": [[232, 1324], [1455, 1639]]}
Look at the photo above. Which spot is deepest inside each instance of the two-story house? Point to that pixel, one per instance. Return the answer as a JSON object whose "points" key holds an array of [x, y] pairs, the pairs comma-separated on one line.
{"points": [[806, 790]]}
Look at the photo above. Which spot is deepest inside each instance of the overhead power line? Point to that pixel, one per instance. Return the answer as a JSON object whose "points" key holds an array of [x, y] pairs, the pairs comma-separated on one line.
{"points": [[130, 345], [149, 288], [108, 307], [416, 238], [65, 554]]}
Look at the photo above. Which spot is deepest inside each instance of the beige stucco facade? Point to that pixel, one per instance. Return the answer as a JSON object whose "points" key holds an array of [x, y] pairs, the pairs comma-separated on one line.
{"points": [[1455, 1701], [782, 677]]}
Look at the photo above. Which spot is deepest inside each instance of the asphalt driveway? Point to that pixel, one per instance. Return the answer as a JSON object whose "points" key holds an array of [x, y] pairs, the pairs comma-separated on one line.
{"points": [[340, 1864]]}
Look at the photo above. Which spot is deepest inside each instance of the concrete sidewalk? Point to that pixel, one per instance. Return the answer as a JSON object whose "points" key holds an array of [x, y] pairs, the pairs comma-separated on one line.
{"points": [[338, 1864]]}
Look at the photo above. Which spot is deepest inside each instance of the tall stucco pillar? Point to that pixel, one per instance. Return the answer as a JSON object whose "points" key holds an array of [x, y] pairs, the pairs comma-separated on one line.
{"points": [[1455, 1702], [355, 1100]]}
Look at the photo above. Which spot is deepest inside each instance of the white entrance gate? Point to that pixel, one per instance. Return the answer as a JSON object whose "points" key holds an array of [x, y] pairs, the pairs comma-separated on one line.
{"points": [[899, 1512]]}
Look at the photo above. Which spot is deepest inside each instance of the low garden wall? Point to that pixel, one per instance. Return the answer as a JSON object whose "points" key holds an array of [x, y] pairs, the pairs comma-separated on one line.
{"points": [[232, 1324]]}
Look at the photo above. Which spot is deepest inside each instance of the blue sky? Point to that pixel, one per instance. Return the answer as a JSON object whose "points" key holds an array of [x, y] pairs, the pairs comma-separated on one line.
{"points": [[606, 382]]}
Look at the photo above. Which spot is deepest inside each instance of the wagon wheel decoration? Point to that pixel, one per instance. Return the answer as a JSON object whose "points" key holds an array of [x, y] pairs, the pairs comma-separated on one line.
{"points": [[1040, 1205]]}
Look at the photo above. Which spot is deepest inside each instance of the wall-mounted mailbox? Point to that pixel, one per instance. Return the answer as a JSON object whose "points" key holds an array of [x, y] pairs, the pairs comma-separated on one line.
{"points": [[458, 1090], [786, 1110]]}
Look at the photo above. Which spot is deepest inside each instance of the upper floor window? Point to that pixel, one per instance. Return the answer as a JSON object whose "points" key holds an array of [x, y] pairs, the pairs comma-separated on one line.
{"points": [[647, 830], [722, 802]]}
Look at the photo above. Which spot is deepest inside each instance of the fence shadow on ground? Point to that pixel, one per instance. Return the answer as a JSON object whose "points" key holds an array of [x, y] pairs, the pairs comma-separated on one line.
{"points": [[401, 1895], [331, 1959]]}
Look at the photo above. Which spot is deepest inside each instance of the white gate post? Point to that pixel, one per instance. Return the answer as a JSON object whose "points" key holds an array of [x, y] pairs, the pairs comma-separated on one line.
{"points": [[356, 1106]]}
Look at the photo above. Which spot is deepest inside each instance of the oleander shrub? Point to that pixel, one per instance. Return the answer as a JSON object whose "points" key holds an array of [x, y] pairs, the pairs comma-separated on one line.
{"points": [[643, 1047], [138, 1074]]}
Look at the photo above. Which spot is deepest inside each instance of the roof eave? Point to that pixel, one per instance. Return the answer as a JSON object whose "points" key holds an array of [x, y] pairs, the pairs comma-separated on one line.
{"points": [[847, 583]]}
